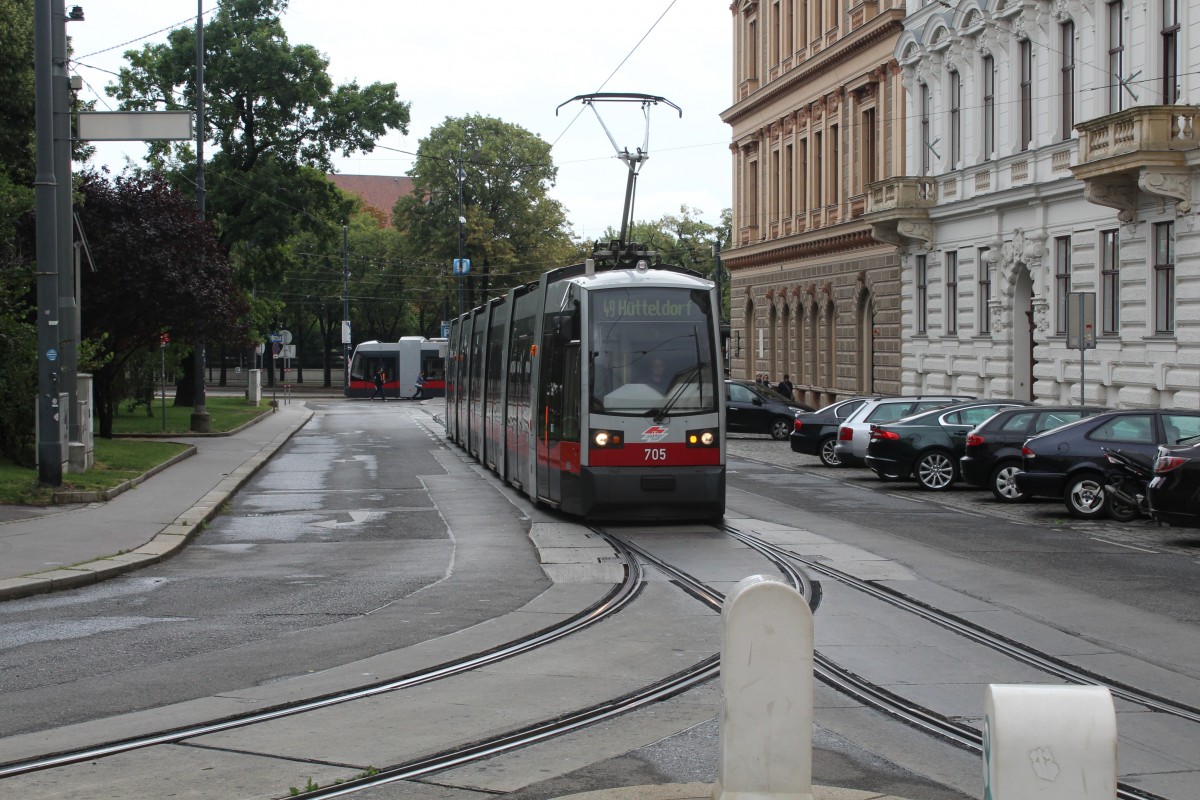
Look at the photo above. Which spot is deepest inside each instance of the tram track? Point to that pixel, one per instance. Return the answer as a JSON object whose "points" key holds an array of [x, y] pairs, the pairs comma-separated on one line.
{"points": [[796, 568], [928, 720], [616, 599]]}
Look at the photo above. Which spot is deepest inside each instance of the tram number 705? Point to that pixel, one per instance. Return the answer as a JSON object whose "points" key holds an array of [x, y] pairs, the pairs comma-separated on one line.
{"points": [[656, 453]]}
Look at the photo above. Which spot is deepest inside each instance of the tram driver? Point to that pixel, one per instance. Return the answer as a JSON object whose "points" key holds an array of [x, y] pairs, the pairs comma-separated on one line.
{"points": [[658, 376]]}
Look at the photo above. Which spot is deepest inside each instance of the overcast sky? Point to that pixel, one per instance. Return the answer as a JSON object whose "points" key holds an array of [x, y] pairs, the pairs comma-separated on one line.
{"points": [[516, 60]]}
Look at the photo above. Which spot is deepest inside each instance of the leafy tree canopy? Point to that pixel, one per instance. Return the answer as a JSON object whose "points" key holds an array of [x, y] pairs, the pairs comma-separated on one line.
{"points": [[273, 113], [159, 268], [514, 230], [16, 87]]}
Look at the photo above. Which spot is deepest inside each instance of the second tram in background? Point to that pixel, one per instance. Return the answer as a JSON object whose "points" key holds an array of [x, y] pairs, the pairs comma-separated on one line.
{"points": [[401, 363], [597, 390]]}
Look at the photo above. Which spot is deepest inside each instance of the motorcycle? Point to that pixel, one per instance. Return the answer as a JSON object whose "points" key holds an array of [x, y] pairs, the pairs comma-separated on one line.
{"points": [[1125, 484]]}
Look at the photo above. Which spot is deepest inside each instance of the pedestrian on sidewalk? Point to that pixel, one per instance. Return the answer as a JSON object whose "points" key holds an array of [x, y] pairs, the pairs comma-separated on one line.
{"points": [[379, 379]]}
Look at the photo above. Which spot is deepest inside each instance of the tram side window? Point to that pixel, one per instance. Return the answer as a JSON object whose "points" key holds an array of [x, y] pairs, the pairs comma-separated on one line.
{"points": [[363, 368], [434, 368]]}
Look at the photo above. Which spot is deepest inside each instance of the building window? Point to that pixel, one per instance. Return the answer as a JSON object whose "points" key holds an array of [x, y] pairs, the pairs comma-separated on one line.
{"points": [[922, 296], [1170, 51], [926, 145], [1026, 56], [802, 194], [955, 119], [789, 179], [752, 195], [752, 50], [951, 292], [1164, 277], [835, 165], [1116, 55], [776, 179], [1110, 284], [1062, 282], [1067, 85], [988, 71], [870, 161], [818, 170], [984, 295], [776, 33]]}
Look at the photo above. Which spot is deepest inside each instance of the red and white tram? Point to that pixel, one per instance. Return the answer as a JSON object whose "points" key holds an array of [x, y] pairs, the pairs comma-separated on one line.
{"points": [[597, 390]]}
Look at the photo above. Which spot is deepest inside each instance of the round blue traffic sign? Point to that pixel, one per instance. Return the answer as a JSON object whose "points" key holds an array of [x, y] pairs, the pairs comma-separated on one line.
{"points": [[51, 354]]}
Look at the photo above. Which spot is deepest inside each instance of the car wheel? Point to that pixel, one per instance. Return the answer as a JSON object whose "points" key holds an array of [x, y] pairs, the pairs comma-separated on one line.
{"points": [[1003, 482], [935, 471], [828, 452], [1085, 496], [781, 428]]}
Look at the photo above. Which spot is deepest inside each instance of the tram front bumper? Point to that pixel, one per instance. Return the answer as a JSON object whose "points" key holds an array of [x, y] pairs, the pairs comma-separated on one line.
{"points": [[678, 493]]}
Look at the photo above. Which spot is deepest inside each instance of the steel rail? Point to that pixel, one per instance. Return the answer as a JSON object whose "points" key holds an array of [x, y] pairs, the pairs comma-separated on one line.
{"points": [[964, 736], [611, 603]]}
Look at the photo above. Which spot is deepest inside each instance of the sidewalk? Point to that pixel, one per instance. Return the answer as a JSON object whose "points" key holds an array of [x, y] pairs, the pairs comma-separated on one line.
{"points": [[44, 550]]}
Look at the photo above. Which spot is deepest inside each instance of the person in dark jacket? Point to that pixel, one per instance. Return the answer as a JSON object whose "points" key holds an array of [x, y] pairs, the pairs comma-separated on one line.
{"points": [[785, 387], [379, 379]]}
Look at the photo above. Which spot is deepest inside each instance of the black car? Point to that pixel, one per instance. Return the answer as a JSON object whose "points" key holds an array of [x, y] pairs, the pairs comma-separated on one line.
{"points": [[927, 446], [993, 454], [815, 433], [1068, 462], [753, 408], [1174, 494]]}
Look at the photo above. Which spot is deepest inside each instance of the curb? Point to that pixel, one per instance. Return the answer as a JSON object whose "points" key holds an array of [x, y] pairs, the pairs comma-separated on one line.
{"points": [[162, 545], [68, 498], [703, 791]]}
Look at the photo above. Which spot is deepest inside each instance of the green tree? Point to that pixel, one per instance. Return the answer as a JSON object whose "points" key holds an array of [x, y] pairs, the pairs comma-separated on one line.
{"points": [[159, 269], [513, 229], [275, 119], [273, 114], [16, 87]]}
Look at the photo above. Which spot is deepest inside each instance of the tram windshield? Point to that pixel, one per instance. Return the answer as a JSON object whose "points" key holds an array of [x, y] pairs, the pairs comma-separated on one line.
{"points": [[651, 352]]}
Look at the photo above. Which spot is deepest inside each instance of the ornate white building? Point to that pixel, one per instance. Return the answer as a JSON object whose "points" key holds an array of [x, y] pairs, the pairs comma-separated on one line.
{"points": [[1050, 150]]}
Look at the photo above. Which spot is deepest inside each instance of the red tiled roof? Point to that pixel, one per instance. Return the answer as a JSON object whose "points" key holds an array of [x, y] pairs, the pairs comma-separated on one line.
{"points": [[377, 191]]}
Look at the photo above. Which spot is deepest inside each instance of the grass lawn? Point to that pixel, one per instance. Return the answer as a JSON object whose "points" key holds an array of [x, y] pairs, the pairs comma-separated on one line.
{"points": [[224, 414], [118, 460]]}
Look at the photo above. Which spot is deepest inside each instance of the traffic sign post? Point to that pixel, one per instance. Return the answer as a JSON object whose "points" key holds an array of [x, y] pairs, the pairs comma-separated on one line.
{"points": [[1081, 329]]}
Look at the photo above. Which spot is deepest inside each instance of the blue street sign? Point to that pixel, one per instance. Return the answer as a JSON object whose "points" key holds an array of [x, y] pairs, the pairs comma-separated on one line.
{"points": [[52, 354], [462, 266]]}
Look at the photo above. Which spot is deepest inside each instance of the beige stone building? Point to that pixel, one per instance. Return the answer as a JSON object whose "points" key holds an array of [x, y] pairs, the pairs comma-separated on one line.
{"points": [[818, 116]]}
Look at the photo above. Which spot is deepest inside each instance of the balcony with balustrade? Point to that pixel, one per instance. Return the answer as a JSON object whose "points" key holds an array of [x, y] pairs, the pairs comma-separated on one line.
{"points": [[1139, 149], [898, 210]]}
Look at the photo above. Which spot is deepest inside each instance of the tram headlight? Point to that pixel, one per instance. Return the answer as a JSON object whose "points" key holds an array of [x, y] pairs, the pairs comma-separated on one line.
{"points": [[607, 440], [704, 437]]}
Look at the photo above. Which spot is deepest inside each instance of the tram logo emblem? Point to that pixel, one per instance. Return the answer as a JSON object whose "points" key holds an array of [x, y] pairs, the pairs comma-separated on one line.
{"points": [[655, 433]]}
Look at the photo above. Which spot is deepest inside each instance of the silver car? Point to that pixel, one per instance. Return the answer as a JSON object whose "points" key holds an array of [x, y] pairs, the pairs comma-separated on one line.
{"points": [[854, 432]]}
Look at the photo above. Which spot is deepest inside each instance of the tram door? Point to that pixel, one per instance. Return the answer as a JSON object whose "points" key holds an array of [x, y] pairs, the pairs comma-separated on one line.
{"points": [[558, 414]]}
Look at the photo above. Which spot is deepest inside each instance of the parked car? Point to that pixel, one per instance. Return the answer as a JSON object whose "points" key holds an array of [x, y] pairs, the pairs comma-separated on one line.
{"points": [[851, 446], [753, 408], [993, 453], [927, 446], [1068, 462], [1174, 493], [815, 433]]}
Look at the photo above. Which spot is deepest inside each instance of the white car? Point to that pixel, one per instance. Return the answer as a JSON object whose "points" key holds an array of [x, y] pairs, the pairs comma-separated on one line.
{"points": [[854, 432]]}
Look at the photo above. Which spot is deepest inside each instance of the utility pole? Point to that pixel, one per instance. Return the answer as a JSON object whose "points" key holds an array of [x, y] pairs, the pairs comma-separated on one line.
{"points": [[462, 234], [200, 419], [345, 306], [49, 439], [68, 279]]}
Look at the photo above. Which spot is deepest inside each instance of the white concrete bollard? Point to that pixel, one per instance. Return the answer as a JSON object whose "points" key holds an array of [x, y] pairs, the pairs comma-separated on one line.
{"points": [[1049, 743], [765, 738]]}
